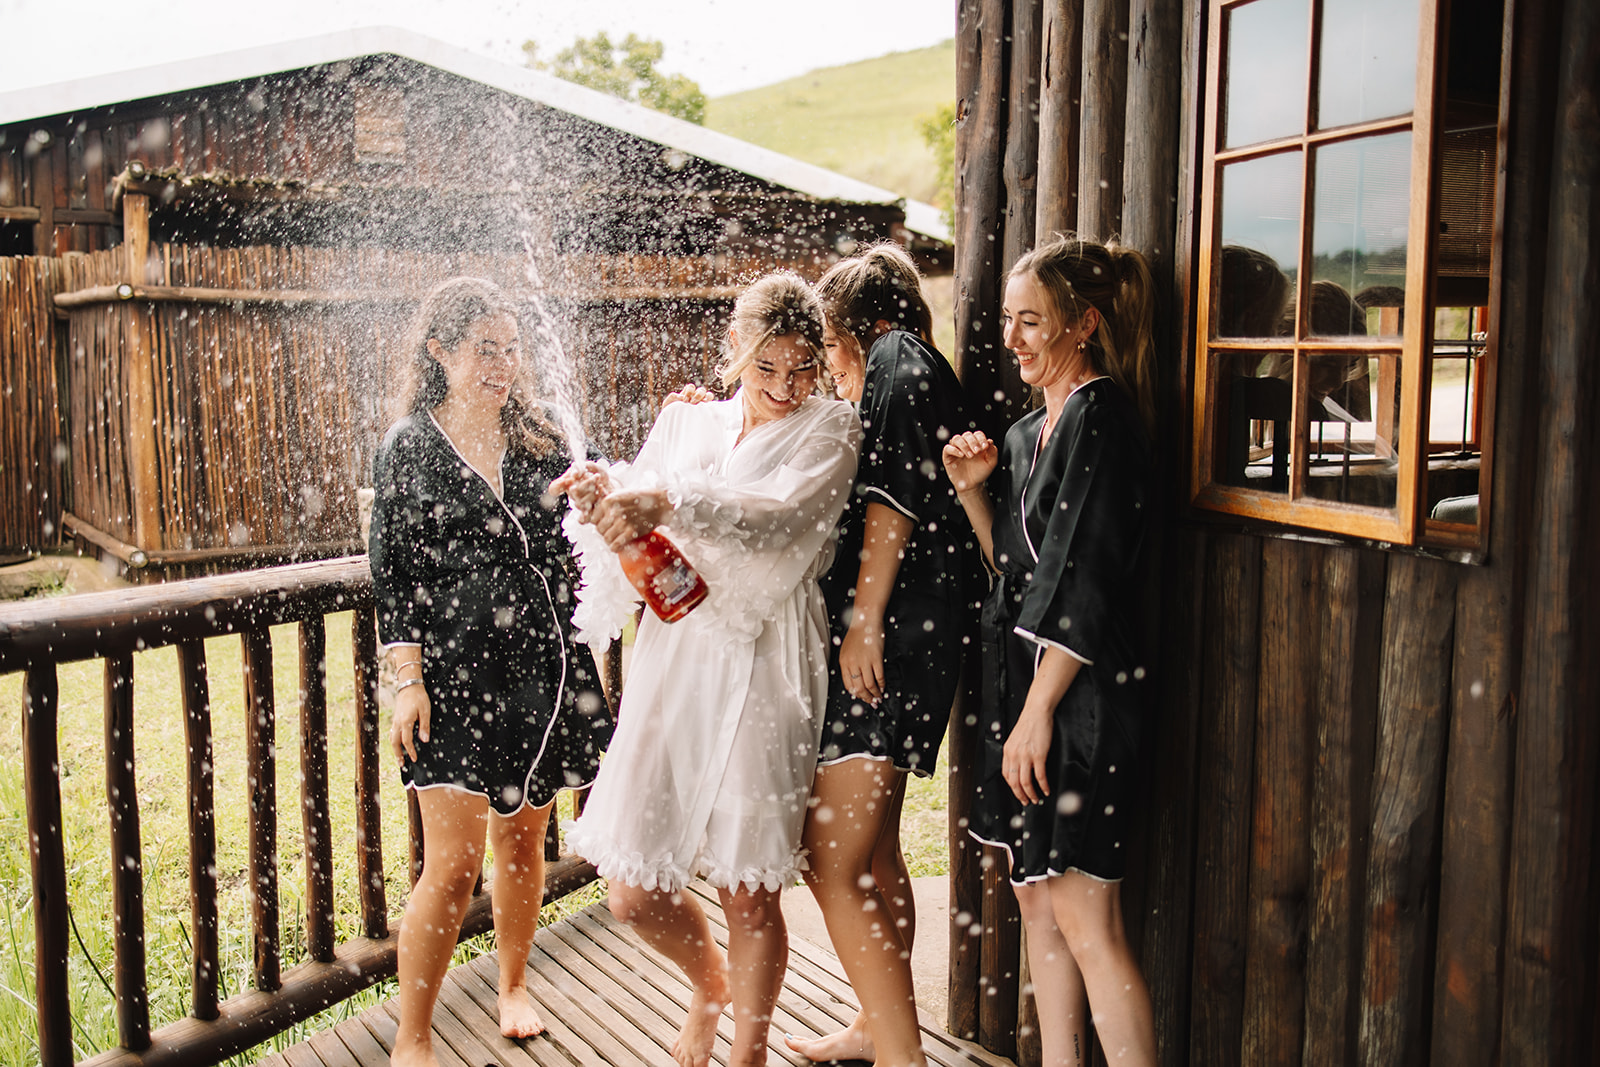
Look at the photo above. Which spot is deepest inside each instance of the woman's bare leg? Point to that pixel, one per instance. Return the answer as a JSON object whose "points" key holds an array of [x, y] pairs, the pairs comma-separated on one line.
{"points": [[889, 869], [518, 893], [1057, 983], [1089, 913], [453, 823], [674, 925], [853, 803], [758, 953]]}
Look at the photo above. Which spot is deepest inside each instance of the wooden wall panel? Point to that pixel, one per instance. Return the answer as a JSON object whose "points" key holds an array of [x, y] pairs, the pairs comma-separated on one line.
{"points": [[1407, 793], [1349, 650], [1280, 854], [1231, 590], [1470, 966], [1173, 757]]}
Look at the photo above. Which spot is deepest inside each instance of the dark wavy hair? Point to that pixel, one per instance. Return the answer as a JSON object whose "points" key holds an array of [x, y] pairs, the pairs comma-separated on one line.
{"points": [[447, 313], [880, 284]]}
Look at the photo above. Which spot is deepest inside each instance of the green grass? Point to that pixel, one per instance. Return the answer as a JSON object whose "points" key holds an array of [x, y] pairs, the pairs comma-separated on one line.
{"points": [[163, 808], [860, 119]]}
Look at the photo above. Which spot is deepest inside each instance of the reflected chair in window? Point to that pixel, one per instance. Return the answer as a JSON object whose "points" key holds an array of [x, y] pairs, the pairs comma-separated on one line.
{"points": [[1252, 401]]}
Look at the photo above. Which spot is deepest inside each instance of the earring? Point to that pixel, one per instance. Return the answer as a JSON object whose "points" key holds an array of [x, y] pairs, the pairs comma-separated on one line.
{"points": [[1082, 345]]}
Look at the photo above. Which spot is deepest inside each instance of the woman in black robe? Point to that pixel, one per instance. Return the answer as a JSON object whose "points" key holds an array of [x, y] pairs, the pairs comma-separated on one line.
{"points": [[899, 606], [1062, 520], [497, 708]]}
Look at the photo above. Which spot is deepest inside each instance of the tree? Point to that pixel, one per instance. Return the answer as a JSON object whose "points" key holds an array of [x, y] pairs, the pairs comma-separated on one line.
{"points": [[626, 69], [939, 134]]}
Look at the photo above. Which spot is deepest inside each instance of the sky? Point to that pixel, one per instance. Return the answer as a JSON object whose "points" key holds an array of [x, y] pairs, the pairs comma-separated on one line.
{"points": [[725, 45]]}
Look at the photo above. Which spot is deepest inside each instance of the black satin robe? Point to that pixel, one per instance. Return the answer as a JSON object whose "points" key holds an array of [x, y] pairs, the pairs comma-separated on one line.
{"points": [[1069, 531], [912, 403], [485, 585]]}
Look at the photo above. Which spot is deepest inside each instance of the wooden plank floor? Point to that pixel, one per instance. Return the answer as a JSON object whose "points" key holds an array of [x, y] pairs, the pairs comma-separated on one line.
{"points": [[607, 999]]}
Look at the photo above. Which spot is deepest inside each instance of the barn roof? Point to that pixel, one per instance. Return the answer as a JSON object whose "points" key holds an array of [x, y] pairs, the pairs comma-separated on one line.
{"points": [[190, 74]]}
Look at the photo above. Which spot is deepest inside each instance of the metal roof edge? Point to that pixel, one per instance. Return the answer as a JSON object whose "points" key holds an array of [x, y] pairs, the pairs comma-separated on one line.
{"points": [[188, 75]]}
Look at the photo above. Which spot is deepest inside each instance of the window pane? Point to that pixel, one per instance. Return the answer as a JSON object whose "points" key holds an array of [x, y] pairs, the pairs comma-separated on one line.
{"points": [[1358, 240], [1260, 251], [1368, 64], [1254, 398], [1266, 71], [1353, 410], [1458, 343]]}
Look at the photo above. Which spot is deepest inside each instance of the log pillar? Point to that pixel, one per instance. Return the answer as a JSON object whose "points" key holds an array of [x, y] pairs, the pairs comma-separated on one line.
{"points": [[139, 372]]}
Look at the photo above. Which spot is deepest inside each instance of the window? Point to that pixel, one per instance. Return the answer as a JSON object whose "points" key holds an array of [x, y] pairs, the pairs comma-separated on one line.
{"points": [[1344, 352]]}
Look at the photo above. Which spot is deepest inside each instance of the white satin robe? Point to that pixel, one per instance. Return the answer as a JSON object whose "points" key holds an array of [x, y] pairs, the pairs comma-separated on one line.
{"points": [[710, 769]]}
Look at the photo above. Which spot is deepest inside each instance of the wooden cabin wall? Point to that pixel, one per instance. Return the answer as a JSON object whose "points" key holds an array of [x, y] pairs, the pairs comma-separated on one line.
{"points": [[1371, 834], [389, 151]]}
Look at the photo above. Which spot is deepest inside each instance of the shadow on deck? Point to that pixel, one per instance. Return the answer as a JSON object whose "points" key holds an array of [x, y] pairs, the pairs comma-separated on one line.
{"points": [[606, 999]]}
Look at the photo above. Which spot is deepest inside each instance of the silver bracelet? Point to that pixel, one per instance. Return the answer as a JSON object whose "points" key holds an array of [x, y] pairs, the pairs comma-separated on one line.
{"points": [[408, 681]]}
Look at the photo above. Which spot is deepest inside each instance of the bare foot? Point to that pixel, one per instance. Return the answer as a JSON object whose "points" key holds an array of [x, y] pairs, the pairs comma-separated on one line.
{"points": [[693, 1047], [518, 1018], [413, 1055], [847, 1045]]}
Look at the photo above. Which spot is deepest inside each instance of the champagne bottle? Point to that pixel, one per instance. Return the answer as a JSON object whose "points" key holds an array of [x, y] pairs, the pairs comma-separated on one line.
{"points": [[667, 581]]}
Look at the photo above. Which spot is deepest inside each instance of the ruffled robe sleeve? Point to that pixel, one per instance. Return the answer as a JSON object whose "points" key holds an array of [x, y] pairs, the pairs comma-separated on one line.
{"points": [[753, 520]]}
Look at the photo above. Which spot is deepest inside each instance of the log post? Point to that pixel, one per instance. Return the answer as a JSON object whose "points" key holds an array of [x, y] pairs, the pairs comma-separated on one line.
{"points": [[41, 775], [139, 421], [1550, 942], [1022, 138], [982, 73], [1105, 78], [369, 827], [1150, 163], [196, 689], [127, 860], [1060, 74]]}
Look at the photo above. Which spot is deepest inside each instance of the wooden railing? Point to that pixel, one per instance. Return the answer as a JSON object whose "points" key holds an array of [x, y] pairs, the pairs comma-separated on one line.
{"points": [[37, 636]]}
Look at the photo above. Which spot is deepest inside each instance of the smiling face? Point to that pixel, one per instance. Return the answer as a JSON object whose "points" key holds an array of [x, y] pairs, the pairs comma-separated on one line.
{"points": [[483, 364], [1046, 346], [845, 366], [775, 383]]}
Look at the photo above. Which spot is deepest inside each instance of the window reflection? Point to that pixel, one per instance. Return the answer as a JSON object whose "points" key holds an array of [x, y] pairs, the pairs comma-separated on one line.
{"points": [[1353, 403], [1360, 226], [1254, 408], [1260, 251], [1367, 68], [1266, 71]]}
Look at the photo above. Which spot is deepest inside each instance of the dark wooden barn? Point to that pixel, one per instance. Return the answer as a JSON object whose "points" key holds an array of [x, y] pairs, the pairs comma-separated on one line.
{"points": [[278, 212], [1374, 767]]}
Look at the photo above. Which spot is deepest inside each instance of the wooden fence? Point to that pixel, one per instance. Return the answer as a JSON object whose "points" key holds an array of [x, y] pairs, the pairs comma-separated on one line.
{"points": [[36, 637], [225, 403], [33, 443]]}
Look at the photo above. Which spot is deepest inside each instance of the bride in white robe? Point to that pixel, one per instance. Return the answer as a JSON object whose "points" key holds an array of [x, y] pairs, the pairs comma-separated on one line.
{"points": [[710, 769]]}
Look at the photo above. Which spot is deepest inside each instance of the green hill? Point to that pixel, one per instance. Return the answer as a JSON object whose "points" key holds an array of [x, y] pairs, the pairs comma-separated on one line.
{"points": [[861, 119]]}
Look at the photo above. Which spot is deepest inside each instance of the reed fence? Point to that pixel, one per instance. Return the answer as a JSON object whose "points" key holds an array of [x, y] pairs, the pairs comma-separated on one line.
{"points": [[213, 405]]}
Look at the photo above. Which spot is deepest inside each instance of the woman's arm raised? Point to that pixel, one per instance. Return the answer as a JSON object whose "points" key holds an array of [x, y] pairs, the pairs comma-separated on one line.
{"points": [[969, 460]]}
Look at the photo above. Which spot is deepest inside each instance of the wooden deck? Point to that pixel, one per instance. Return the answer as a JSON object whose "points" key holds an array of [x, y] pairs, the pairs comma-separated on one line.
{"points": [[606, 999]]}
